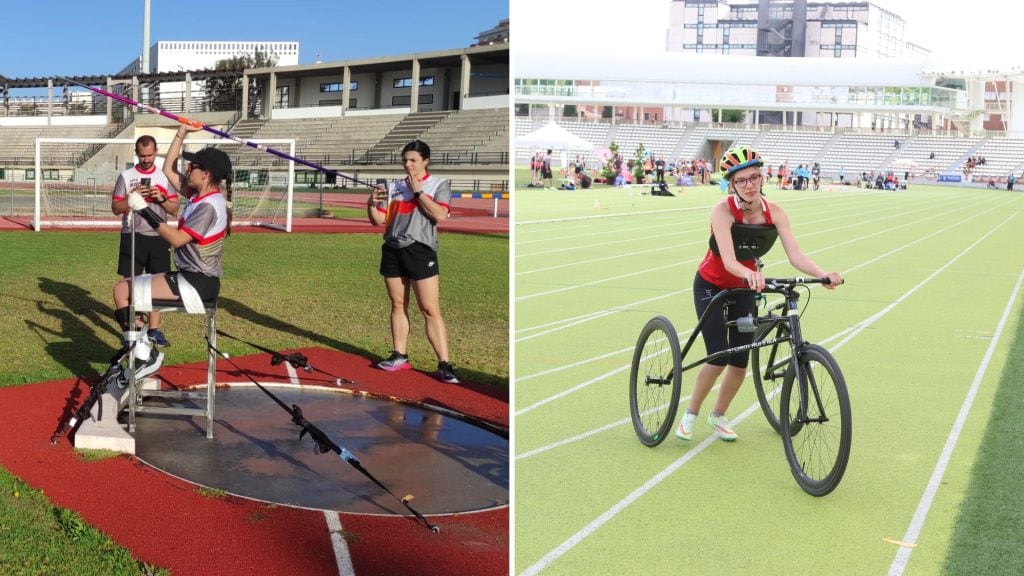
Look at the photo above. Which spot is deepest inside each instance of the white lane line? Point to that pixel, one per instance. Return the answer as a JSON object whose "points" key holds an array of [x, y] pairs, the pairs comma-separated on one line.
{"points": [[342, 558], [860, 327], [621, 505], [623, 421], [594, 315], [832, 196], [293, 376], [899, 563], [887, 214]]}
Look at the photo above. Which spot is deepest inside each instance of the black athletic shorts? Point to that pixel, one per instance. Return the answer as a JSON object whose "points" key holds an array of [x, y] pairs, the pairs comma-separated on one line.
{"points": [[152, 255], [716, 337], [208, 287], [416, 261]]}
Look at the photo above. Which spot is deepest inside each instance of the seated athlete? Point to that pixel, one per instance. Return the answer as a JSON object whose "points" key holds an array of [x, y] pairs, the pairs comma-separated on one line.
{"points": [[198, 243]]}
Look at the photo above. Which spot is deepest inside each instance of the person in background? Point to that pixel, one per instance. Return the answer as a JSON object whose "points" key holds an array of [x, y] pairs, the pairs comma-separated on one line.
{"points": [[152, 253], [410, 211]]}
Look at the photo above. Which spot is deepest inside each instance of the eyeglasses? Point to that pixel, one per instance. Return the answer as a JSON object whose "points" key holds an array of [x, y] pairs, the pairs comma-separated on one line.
{"points": [[752, 180], [192, 166]]}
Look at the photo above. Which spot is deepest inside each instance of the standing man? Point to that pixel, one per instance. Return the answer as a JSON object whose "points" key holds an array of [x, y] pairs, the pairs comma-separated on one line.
{"points": [[659, 169], [152, 253]]}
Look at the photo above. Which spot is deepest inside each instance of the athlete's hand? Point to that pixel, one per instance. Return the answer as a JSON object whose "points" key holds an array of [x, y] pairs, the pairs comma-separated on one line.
{"points": [[754, 280], [834, 279], [136, 202], [378, 196]]}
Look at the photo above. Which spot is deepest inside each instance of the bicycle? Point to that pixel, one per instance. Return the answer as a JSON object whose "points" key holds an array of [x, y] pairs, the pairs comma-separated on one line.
{"points": [[812, 411]]}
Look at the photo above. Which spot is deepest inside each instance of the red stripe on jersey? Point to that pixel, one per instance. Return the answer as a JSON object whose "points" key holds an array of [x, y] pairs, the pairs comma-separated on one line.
{"points": [[199, 239]]}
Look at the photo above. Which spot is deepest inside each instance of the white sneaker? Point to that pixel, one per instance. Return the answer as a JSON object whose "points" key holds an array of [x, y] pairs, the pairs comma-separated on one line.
{"points": [[685, 430], [143, 369], [721, 425]]}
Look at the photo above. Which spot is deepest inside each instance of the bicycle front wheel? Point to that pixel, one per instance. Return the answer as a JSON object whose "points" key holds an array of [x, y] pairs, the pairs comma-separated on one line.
{"points": [[769, 365], [655, 381], [815, 420]]}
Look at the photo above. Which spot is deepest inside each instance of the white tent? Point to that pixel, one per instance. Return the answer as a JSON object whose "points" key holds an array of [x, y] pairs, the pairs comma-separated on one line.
{"points": [[555, 137]]}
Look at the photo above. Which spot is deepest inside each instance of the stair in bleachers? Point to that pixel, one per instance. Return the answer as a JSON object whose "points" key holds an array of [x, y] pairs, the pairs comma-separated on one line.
{"points": [[247, 129], [410, 128]]}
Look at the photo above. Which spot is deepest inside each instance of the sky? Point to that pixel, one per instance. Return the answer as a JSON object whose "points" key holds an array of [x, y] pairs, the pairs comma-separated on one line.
{"points": [[41, 38], [983, 35]]}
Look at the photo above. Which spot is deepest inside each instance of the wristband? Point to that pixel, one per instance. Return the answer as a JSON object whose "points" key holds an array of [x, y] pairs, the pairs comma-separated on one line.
{"points": [[149, 216], [416, 195]]}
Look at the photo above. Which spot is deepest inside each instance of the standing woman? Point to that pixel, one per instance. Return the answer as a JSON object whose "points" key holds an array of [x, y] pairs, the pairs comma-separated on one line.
{"points": [[741, 168], [198, 241], [411, 209]]}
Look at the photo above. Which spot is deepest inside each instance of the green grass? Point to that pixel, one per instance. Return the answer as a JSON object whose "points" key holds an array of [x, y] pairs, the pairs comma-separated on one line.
{"points": [[987, 535], [588, 278], [280, 291], [39, 538]]}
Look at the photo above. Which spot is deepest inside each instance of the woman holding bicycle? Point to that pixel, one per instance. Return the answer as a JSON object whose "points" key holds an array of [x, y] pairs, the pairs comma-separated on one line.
{"points": [[721, 270]]}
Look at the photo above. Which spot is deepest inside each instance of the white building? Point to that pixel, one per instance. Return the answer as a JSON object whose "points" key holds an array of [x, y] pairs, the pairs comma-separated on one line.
{"points": [[788, 28], [177, 55], [186, 55]]}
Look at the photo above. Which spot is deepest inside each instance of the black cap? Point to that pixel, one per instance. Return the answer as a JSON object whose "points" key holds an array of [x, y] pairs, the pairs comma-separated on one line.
{"points": [[214, 160]]}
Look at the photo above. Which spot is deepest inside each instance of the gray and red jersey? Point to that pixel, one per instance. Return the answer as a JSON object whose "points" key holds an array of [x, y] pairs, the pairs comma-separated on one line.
{"points": [[406, 222], [205, 219], [131, 178]]}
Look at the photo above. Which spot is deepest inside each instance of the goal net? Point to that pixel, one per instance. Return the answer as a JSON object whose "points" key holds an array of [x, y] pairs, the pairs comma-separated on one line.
{"points": [[74, 179]]}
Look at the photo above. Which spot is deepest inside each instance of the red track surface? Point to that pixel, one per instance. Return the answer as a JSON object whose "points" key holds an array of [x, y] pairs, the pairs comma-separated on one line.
{"points": [[469, 215], [165, 522]]}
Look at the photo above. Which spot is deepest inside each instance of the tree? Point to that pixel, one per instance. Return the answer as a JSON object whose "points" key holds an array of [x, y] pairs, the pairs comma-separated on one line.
{"points": [[226, 93], [608, 171], [729, 116]]}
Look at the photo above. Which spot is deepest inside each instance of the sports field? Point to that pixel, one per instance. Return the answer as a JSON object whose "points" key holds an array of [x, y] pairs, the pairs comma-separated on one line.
{"points": [[923, 331]]}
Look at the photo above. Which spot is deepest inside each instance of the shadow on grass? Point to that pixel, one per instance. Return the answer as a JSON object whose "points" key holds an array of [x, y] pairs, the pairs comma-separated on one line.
{"points": [[236, 308], [75, 344]]}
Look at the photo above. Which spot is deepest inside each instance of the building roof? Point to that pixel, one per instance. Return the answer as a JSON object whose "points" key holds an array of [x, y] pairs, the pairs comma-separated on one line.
{"points": [[684, 67]]}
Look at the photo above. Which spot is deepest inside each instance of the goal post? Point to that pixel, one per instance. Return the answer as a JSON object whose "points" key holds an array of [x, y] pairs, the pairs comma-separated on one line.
{"points": [[74, 179]]}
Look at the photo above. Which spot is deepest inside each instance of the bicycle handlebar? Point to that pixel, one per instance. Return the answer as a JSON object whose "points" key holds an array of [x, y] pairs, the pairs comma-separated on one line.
{"points": [[784, 283]]}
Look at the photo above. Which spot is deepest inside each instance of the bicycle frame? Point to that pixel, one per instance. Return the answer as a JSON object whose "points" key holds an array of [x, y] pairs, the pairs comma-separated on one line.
{"points": [[792, 318], [787, 288]]}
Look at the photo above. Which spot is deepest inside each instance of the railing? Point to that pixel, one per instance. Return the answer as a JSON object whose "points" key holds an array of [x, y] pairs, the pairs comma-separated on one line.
{"points": [[445, 157]]}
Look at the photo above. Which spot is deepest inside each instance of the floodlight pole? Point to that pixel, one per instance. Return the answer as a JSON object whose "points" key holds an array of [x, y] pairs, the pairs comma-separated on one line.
{"points": [[145, 37]]}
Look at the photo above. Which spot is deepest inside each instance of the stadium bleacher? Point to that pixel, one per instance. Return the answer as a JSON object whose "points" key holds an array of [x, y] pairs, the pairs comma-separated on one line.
{"points": [[852, 151]]}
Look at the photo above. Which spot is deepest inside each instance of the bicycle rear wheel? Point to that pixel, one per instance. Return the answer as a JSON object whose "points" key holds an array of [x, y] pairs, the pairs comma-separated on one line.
{"points": [[816, 423], [655, 381], [769, 366]]}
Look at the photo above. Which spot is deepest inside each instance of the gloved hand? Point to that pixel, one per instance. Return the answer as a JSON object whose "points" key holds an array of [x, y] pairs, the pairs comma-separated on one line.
{"points": [[136, 202]]}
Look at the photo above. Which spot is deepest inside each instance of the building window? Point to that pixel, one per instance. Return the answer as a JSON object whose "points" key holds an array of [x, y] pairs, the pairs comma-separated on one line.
{"points": [[283, 98], [407, 82], [405, 100], [338, 86]]}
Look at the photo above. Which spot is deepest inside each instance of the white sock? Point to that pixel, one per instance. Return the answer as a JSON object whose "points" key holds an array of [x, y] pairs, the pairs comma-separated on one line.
{"points": [[142, 350]]}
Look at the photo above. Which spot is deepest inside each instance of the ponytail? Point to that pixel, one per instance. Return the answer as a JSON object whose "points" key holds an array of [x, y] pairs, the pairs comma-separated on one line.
{"points": [[227, 196]]}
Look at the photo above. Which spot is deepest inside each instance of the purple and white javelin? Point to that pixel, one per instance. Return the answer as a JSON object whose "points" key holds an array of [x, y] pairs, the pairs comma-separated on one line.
{"points": [[221, 133]]}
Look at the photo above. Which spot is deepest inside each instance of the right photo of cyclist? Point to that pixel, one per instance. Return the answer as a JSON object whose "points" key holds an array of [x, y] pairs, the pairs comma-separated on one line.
{"points": [[720, 270]]}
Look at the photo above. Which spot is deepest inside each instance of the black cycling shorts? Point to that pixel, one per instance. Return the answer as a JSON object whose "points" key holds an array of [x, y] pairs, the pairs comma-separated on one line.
{"points": [[208, 287], [152, 255], [716, 336], [416, 261]]}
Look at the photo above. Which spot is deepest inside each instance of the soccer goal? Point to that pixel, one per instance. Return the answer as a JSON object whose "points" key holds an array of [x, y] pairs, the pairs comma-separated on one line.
{"points": [[74, 179]]}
